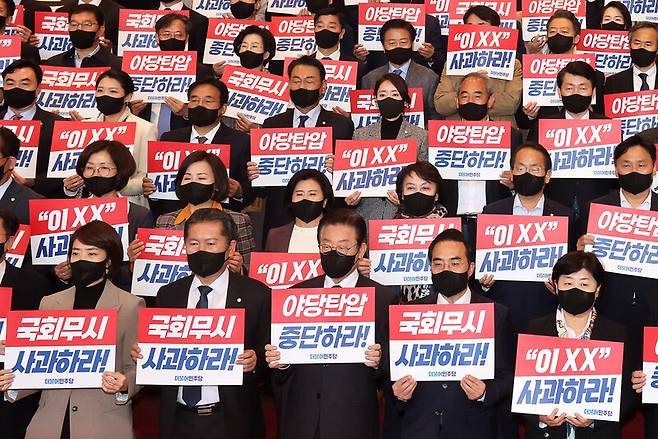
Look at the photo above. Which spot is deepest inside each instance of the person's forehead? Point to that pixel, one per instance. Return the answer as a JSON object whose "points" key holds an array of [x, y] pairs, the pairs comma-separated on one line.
{"points": [[449, 250], [561, 23], [338, 232], [199, 166], [24, 72], [205, 230], [397, 33], [635, 152], [252, 37], [175, 24], [570, 77], [305, 71], [645, 33], [473, 85], [83, 16], [328, 18], [205, 90], [529, 155]]}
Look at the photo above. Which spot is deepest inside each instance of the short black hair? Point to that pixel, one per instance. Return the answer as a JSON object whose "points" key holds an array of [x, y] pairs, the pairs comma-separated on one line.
{"points": [[450, 235], [121, 77], [121, 157], [632, 141], [318, 177], [330, 10], [421, 168], [10, 144], [210, 215], [398, 82], [10, 6], [10, 222], [218, 170], [346, 217], [166, 20], [562, 13], [219, 85], [24, 64], [628, 21], [548, 163], [397, 23], [643, 25], [578, 68], [310, 61], [102, 235], [483, 13], [269, 43], [574, 261], [88, 7]]}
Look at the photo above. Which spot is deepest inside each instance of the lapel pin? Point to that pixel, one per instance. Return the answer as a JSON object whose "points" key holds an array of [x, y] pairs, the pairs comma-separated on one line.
{"points": [[239, 299], [12, 199]]}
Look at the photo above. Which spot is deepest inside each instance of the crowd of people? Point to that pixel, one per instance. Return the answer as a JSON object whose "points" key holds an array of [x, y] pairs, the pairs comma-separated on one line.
{"points": [[225, 217]]}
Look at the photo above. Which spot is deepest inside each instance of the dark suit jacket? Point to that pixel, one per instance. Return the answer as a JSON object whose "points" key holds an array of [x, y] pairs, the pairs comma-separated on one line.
{"points": [[31, 53], [17, 198], [110, 11], [278, 240], [31, 6], [241, 409], [442, 409], [275, 212], [339, 400], [102, 58], [603, 330], [526, 300], [199, 32], [48, 187], [622, 82]]}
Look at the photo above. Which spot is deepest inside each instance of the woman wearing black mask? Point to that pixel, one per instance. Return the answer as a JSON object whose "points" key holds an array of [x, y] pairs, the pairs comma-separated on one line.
{"points": [[246, 10], [104, 167], [392, 96], [309, 195], [95, 254], [615, 16], [114, 90], [202, 182], [577, 278]]}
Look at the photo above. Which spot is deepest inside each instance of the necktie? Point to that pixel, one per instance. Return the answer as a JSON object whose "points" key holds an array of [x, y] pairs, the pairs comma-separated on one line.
{"points": [[192, 394], [16, 117], [398, 72], [645, 84], [201, 139], [326, 57], [336, 286], [302, 121]]}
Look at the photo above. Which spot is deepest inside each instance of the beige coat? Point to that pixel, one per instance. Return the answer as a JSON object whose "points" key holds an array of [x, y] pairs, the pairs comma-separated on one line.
{"points": [[93, 413]]}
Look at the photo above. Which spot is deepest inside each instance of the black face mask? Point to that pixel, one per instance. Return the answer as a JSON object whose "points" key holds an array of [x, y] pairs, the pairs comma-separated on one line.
{"points": [[473, 111], [99, 186], [195, 193], [576, 103], [84, 273], [201, 116], [19, 97], [418, 204], [172, 45], [250, 60], [82, 39], [449, 283], [642, 57], [336, 265], [527, 184], [611, 25], [326, 38], [203, 263], [304, 98], [399, 55], [242, 10], [109, 104], [559, 43], [390, 108], [635, 183], [307, 210], [575, 301]]}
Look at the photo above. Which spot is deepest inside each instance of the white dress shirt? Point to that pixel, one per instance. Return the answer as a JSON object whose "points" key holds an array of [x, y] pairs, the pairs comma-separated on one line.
{"points": [[335, 56], [569, 116], [4, 186], [25, 115], [177, 7], [651, 78], [645, 205], [92, 2], [312, 117], [216, 300], [472, 197], [348, 282], [465, 299], [404, 68], [209, 135]]}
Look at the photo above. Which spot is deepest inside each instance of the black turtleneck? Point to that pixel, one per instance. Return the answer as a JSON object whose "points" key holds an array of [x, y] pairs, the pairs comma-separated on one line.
{"points": [[391, 128], [87, 297]]}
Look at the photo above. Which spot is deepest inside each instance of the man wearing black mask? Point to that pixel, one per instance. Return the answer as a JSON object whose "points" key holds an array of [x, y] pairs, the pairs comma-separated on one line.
{"points": [[226, 411], [453, 409], [643, 42], [199, 24], [245, 10], [22, 85], [624, 297], [326, 401], [397, 37], [306, 82], [576, 86], [86, 28], [110, 11], [207, 103], [531, 172]]}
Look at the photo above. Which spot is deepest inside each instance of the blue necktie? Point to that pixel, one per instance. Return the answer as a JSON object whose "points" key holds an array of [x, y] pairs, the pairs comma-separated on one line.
{"points": [[398, 72], [302, 121], [192, 394], [645, 84]]}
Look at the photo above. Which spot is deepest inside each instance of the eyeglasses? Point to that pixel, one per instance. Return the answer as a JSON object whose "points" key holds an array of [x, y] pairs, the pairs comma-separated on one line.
{"points": [[87, 25], [165, 35], [534, 170], [103, 171], [341, 249]]}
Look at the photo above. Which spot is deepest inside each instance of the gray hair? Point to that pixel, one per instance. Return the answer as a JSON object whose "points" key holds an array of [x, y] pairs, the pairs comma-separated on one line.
{"points": [[478, 75]]}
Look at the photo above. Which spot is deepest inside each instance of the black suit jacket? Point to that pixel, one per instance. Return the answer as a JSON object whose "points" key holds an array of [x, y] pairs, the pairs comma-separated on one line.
{"points": [[30, 52], [102, 58], [17, 198], [241, 409], [110, 11], [339, 400], [603, 330], [31, 6], [199, 32], [276, 213], [441, 409], [622, 82]]}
